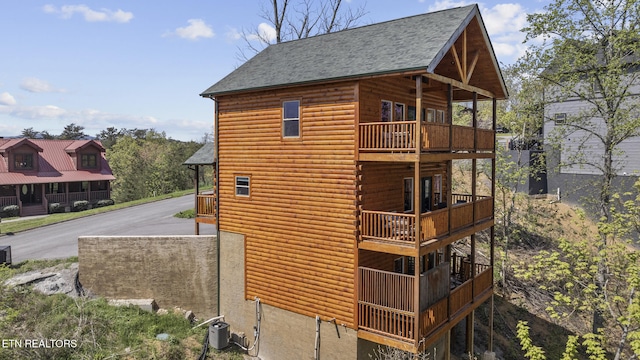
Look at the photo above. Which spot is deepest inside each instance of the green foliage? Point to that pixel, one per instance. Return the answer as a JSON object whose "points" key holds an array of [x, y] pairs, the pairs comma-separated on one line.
{"points": [[72, 132], [80, 205], [530, 351], [103, 203], [100, 331], [186, 214], [149, 166], [56, 208], [10, 211]]}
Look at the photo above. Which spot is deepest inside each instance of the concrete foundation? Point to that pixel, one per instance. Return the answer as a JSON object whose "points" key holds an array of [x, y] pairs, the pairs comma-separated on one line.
{"points": [[175, 271]]}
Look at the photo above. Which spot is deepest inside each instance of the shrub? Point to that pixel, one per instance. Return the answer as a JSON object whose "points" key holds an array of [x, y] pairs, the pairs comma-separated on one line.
{"points": [[10, 211], [55, 208], [81, 205], [103, 203]]}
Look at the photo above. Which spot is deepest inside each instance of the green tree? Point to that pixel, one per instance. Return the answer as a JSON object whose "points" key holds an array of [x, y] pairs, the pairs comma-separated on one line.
{"points": [[124, 159], [29, 133], [110, 136], [584, 51], [72, 132]]}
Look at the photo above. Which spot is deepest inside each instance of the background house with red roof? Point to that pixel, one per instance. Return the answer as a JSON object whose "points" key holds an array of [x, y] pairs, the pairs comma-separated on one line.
{"points": [[35, 173]]}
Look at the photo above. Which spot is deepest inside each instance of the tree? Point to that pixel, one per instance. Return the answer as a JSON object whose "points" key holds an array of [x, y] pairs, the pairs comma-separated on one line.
{"points": [[72, 132], [29, 133], [110, 136], [289, 20], [584, 50]]}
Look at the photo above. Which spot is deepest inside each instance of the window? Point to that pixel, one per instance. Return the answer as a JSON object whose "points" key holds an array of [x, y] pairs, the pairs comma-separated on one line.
{"points": [[23, 161], [408, 194], [291, 118], [440, 116], [398, 114], [431, 115], [89, 161], [385, 111], [560, 118], [243, 184]]}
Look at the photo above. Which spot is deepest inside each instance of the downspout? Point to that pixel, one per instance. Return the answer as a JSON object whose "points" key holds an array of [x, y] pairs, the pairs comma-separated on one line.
{"points": [[216, 146]]}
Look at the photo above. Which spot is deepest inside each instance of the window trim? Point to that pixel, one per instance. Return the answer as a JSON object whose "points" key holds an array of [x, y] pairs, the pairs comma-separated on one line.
{"points": [[285, 120], [404, 193], [403, 114], [237, 187]]}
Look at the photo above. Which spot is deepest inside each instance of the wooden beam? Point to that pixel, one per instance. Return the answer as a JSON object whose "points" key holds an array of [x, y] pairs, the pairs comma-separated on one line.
{"points": [[460, 85], [456, 59], [474, 62]]}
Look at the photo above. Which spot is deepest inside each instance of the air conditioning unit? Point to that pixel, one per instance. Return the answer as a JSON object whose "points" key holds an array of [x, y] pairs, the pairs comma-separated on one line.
{"points": [[5, 255], [219, 335]]}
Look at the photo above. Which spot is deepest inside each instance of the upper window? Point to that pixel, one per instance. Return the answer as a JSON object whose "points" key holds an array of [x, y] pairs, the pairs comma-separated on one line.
{"points": [[89, 161], [560, 118], [291, 118], [243, 185], [385, 111], [398, 113], [23, 161]]}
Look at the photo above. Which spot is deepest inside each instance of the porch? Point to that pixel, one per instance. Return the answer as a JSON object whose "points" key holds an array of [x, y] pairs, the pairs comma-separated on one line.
{"points": [[206, 208], [400, 137], [386, 306], [71, 197], [399, 229]]}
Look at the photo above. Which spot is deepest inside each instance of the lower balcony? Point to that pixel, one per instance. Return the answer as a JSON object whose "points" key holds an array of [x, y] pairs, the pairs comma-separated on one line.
{"points": [[386, 304], [206, 208], [398, 228]]}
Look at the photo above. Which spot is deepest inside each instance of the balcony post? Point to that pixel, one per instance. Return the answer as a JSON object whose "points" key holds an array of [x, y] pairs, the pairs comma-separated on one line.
{"points": [[417, 208]]}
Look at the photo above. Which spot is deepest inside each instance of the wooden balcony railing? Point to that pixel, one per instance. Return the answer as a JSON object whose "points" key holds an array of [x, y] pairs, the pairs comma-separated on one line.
{"points": [[77, 196], [8, 200], [385, 303], [399, 136], [206, 205], [437, 314], [99, 195], [399, 228], [64, 198], [60, 198]]}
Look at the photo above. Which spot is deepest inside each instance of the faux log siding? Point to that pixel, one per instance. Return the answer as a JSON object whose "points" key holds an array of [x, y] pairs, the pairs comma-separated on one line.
{"points": [[400, 90], [383, 183], [299, 220]]}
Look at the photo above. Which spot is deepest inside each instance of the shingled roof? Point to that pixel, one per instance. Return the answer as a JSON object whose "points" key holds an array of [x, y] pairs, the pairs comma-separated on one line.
{"points": [[204, 156], [408, 44]]}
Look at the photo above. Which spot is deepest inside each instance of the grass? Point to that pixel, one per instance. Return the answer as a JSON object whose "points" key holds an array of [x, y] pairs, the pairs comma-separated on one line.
{"points": [[98, 330], [23, 225]]}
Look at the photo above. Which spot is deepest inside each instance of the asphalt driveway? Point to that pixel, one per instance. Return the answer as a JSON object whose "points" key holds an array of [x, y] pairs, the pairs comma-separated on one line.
{"points": [[61, 240]]}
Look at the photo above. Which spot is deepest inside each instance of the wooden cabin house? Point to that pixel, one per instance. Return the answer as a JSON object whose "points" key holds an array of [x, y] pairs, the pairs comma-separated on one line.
{"points": [[335, 191], [35, 173]]}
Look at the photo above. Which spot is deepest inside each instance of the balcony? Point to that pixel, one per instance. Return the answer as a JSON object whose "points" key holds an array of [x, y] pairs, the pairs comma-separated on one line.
{"points": [[399, 229], [386, 303], [206, 208], [69, 198], [399, 137]]}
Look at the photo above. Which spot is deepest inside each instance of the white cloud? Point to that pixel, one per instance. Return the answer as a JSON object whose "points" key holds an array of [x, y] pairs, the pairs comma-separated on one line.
{"points": [[35, 85], [197, 28], [233, 34], [90, 15], [7, 99], [446, 4], [265, 32]]}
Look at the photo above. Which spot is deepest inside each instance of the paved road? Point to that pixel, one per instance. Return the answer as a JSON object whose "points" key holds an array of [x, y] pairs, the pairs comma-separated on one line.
{"points": [[61, 240]]}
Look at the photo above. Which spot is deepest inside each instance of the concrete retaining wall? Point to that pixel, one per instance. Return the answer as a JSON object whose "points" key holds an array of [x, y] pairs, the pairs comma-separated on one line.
{"points": [[174, 270]]}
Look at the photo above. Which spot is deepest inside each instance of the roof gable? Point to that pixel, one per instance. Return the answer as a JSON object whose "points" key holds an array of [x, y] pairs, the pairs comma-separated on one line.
{"points": [[409, 44], [78, 145], [16, 143]]}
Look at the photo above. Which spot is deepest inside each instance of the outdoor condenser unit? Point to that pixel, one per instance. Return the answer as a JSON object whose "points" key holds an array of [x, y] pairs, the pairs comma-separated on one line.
{"points": [[5, 255], [219, 335]]}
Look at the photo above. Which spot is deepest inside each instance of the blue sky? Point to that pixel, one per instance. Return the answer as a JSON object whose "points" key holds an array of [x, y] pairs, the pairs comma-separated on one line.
{"points": [[134, 64]]}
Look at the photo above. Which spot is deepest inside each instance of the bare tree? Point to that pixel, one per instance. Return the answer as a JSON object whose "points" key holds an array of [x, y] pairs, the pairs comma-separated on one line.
{"points": [[289, 20]]}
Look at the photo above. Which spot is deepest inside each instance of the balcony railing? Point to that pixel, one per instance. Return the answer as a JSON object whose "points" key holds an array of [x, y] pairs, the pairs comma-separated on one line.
{"points": [[399, 136], [385, 303], [399, 228], [8, 200], [64, 198], [206, 205]]}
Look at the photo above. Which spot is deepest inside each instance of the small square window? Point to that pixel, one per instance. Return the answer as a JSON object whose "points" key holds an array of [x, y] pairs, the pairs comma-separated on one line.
{"points": [[243, 186], [291, 118], [560, 118]]}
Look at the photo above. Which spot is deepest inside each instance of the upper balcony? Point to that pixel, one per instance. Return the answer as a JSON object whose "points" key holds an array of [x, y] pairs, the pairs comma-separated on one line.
{"points": [[400, 137], [393, 228], [206, 208]]}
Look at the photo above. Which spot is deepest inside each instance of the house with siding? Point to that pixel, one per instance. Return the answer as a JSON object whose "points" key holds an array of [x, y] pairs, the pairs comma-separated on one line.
{"points": [[35, 173], [341, 223]]}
